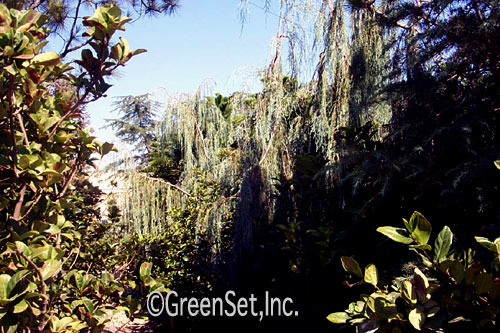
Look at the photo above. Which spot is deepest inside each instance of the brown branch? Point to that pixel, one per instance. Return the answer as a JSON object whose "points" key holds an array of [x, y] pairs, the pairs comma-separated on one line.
{"points": [[69, 113], [350, 285], [69, 180], [166, 183], [269, 144], [76, 258], [117, 271], [23, 129], [74, 48], [477, 10], [31, 207], [72, 33], [19, 204], [43, 291], [385, 17], [12, 102], [35, 4]]}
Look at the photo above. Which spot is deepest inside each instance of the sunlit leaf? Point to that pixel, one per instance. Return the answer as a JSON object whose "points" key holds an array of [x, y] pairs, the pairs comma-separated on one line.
{"points": [[417, 318], [442, 244], [46, 59], [399, 235], [371, 274], [338, 317], [421, 228]]}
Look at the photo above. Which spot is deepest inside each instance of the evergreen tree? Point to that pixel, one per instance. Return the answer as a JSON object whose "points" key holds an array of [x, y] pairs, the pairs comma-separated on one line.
{"points": [[136, 126], [65, 15]]}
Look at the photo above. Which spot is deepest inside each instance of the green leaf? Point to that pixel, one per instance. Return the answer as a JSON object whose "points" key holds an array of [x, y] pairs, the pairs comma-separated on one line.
{"points": [[407, 225], [89, 305], [417, 318], [139, 51], [338, 317], [442, 244], [486, 243], [356, 307], [371, 275], [351, 266], [14, 280], [46, 252], [421, 284], [4, 280], [59, 325], [421, 247], [125, 48], [11, 69], [399, 235], [106, 148], [117, 52], [28, 234], [483, 283], [20, 307], [115, 12], [145, 270], [422, 228], [408, 291], [457, 271], [50, 268], [46, 59], [8, 284], [497, 164], [20, 246], [52, 229]]}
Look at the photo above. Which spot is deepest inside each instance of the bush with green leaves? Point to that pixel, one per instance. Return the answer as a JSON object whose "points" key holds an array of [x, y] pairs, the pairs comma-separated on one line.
{"points": [[46, 277], [183, 255], [445, 290]]}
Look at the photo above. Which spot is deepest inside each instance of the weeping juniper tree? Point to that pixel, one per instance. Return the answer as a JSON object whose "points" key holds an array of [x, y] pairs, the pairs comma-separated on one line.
{"points": [[255, 145]]}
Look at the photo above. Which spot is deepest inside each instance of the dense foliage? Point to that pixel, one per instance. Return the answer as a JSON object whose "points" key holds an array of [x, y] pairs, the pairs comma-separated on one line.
{"points": [[447, 291], [276, 191], [402, 114], [52, 279]]}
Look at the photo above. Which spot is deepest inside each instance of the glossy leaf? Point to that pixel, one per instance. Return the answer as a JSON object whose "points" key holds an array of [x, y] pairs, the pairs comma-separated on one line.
{"points": [[486, 243], [371, 274], [417, 318], [442, 244], [50, 268], [408, 291], [338, 317], [421, 228], [399, 235], [46, 59]]}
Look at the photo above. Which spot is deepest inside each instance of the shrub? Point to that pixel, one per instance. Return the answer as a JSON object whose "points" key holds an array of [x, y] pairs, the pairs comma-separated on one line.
{"points": [[445, 290], [46, 280]]}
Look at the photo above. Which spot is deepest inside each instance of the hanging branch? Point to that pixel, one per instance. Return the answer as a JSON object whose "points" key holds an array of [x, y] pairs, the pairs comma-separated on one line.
{"points": [[197, 129], [166, 183], [269, 144]]}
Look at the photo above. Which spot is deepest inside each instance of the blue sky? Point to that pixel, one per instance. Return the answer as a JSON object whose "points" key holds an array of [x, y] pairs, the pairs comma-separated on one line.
{"points": [[203, 40]]}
